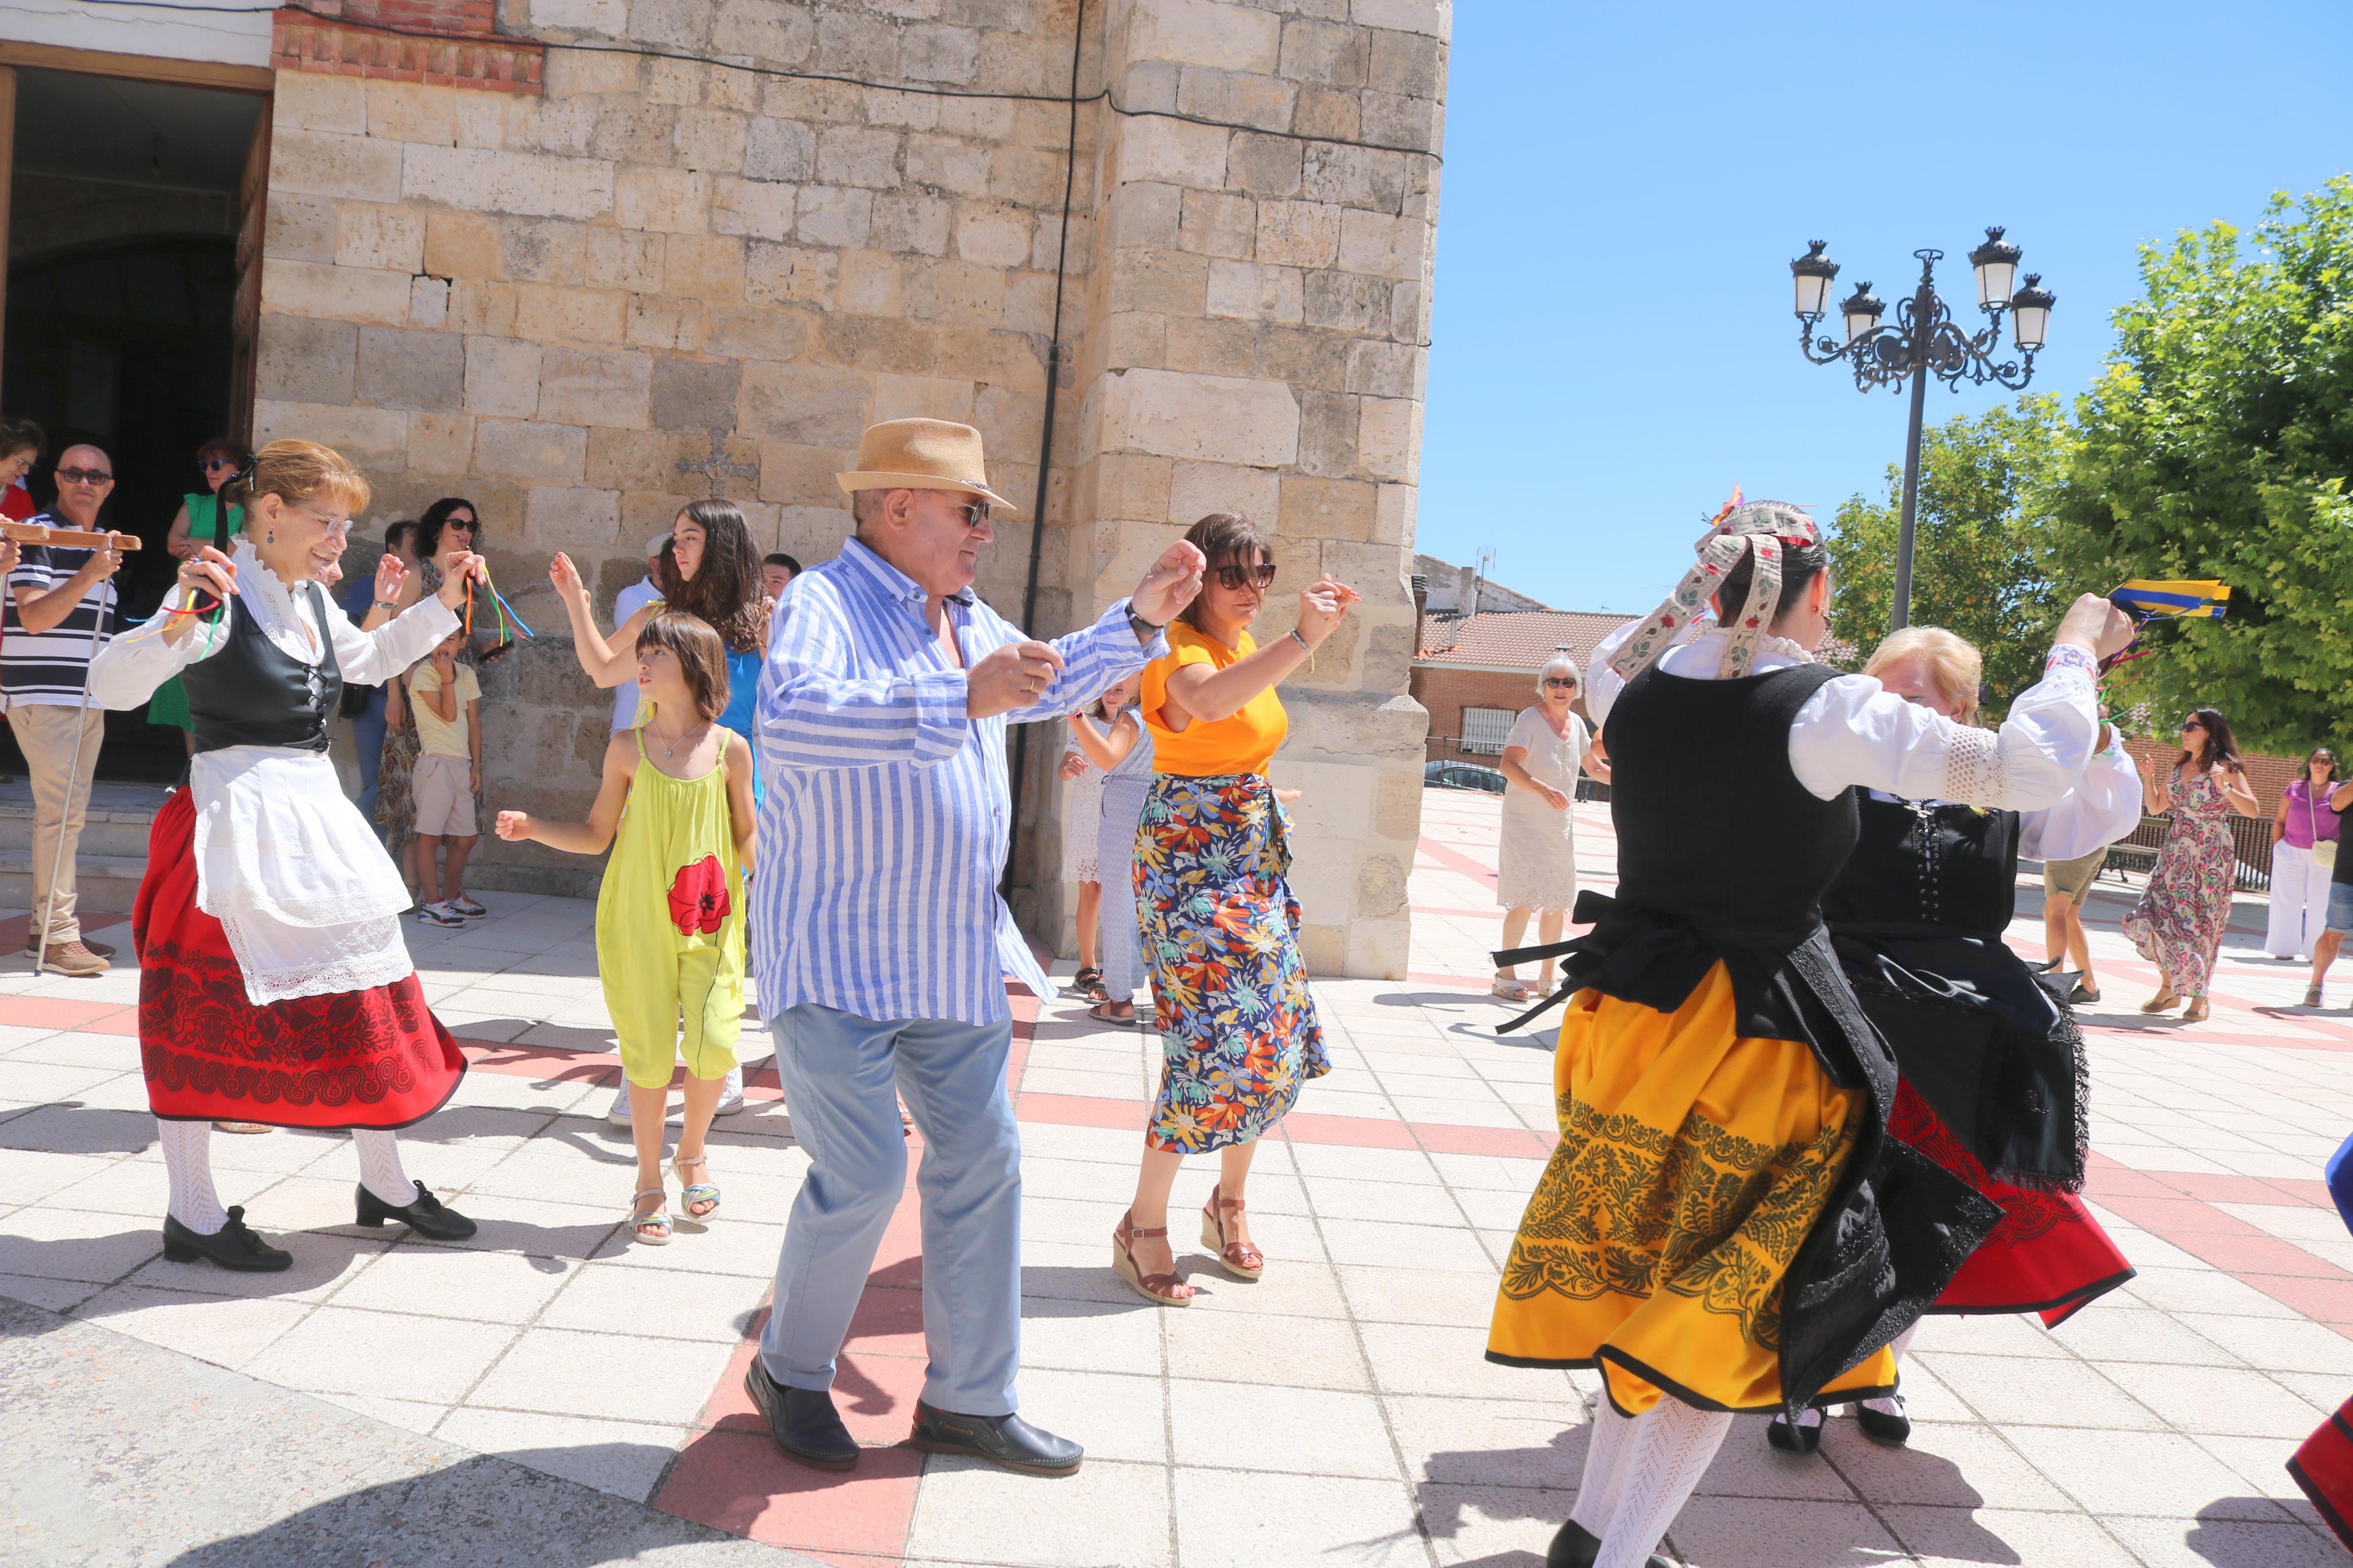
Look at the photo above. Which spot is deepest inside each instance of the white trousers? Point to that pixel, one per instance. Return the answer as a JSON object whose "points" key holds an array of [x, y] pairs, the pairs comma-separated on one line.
{"points": [[2299, 902]]}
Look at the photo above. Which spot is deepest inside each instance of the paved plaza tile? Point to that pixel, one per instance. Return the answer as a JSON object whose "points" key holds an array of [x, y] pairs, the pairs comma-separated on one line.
{"points": [[1337, 1412]]}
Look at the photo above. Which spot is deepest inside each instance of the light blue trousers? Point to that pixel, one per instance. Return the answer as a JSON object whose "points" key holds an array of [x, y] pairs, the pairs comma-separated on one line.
{"points": [[842, 1075]]}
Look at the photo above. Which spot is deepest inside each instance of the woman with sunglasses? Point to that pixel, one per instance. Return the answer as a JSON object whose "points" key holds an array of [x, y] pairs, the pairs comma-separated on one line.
{"points": [[202, 519], [2178, 924], [1238, 1030], [2304, 858], [450, 524], [1536, 860]]}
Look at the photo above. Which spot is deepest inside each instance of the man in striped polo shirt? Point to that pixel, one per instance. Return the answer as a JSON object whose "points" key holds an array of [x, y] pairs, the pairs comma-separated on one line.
{"points": [[882, 945], [58, 612]]}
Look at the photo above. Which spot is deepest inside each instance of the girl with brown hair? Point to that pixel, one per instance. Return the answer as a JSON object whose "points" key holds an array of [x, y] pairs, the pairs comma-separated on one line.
{"points": [[670, 916], [276, 986], [2178, 924]]}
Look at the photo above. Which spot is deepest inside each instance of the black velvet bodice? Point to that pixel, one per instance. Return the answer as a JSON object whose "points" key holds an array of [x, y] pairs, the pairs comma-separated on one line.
{"points": [[253, 693], [1922, 867]]}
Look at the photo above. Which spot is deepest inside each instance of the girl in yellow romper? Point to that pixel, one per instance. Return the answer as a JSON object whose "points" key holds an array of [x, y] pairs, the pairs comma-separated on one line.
{"points": [[669, 918]]}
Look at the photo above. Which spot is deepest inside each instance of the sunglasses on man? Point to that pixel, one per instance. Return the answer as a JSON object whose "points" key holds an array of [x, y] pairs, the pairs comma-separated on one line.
{"points": [[85, 476], [1236, 577]]}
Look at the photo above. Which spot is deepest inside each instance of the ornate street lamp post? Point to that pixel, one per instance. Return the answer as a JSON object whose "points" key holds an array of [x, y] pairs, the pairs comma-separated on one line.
{"points": [[1924, 343]]}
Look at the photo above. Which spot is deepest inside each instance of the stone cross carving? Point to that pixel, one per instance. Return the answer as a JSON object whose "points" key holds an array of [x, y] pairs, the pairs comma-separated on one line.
{"points": [[714, 466]]}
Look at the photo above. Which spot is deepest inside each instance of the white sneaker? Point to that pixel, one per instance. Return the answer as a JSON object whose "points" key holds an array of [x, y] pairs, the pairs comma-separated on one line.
{"points": [[731, 1099], [618, 1111]]}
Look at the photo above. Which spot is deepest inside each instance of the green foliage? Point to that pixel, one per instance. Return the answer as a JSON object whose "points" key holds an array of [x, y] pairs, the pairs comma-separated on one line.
{"points": [[1980, 560], [2217, 445]]}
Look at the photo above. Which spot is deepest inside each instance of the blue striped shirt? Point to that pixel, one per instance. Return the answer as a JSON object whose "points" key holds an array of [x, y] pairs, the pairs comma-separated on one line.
{"points": [[885, 827]]}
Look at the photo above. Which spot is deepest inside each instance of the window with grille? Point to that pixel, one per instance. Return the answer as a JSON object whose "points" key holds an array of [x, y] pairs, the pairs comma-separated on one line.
{"points": [[1485, 729]]}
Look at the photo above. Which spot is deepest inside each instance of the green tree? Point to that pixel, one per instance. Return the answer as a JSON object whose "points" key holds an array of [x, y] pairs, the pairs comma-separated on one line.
{"points": [[2217, 445], [1980, 560]]}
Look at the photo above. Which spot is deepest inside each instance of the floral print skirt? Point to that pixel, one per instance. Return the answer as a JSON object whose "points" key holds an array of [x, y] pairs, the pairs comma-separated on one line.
{"points": [[2178, 924], [1238, 1029]]}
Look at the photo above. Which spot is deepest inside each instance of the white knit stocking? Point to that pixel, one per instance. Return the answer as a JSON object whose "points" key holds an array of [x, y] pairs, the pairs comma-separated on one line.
{"points": [[380, 1171], [1606, 1454], [188, 1167], [1673, 1445]]}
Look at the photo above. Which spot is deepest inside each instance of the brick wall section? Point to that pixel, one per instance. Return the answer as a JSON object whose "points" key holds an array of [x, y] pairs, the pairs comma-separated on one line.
{"points": [[2267, 775], [1446, 692], [300, 41], [666, 279]]}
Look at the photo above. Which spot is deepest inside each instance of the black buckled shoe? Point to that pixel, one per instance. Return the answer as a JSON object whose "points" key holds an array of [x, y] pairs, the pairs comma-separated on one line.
{"points": [[1577, 1547], [1891, 1426], [803, 1421], [233, 1246], [427, 1215], [1006, 1440]]}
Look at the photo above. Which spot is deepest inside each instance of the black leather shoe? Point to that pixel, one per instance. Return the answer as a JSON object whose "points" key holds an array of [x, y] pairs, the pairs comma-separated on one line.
{"points": [[426, 1216], [802, 1420], [1006, 1440], [1802, 1438], [1577, 1547], [233, 1246], [1881, 1427]]}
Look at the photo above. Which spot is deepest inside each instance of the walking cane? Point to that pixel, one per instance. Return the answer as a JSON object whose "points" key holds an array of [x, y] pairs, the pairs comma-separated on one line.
{"points": [[75, 539]]}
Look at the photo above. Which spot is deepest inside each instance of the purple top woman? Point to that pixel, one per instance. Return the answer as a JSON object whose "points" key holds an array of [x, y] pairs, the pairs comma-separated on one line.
{"points": [[2305, 818]]}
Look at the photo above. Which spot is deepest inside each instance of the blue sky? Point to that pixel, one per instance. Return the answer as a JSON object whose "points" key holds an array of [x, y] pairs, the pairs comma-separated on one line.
{"points": [[1612, 342]]}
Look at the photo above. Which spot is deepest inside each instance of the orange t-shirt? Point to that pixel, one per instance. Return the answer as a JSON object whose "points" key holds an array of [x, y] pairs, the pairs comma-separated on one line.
{"points": [[1242, 743]]}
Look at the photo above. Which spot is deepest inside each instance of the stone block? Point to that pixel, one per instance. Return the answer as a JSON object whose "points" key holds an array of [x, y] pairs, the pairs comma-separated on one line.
{"points": [[711, 140], [568, 517], [1375, 571], [502, 377], [994, 237], [915, 225], [678, 23], [763, 30], [623, 258], [439, 443], [1197, 489], [543, 252], [939, 54], [304, 101], [1396, 806], [1214, 347], [1327, 509], [572, 73], [1328, 433], [1168, 282], [588, 16], [667, 321], [1322, 949], [1146, 85], [348, 293], [1347, 302], [595, 386], [484, 306], [325, 163], [807, 406], [851, 45], [955, 291], [1409, 313], [1298, 234], [1325, 54], [306, 360], [529, 449], [1243, 290], [635, 130], [800, 476], [399, 369], [1338, 804], [564, 126], [527, 183], [1008, 421], [1236, 97], [1204, 33], [1353, 176], [1129, 485], [924, 396], [1435, 17], [780, 150], [704, 267], [1387, 662], [750, 332], [948, 163], [1377, 949], [1218, 223], [412, 112], [458, 245], [299, 228], [1395, 120], [1409, 63], [1133, 338], [666, 201], [371, 437], [1388, 438], [623, 460], [568, 315], [1218, 419], [1385, 369], [689, 394], [858, 156], [387, 237], [1393, 516], [831, 215], [787, 274], [1326, 113], [1174, 151], [1143, 213], [1264, 165], [1030, 303]]}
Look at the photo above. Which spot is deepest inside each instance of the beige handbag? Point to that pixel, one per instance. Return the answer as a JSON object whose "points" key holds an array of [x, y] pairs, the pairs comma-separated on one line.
{"points": [[2324, 851]]}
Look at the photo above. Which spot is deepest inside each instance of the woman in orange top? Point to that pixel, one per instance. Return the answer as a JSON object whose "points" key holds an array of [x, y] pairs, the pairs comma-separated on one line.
{"points": [[1237, 1028]]}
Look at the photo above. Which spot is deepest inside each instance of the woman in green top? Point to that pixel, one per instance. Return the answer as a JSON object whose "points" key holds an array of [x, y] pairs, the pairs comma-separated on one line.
{"points": [[200, 522]]}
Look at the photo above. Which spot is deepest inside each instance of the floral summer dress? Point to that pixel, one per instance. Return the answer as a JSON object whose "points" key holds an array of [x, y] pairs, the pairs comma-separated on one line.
{"points": [[2178, 924]]}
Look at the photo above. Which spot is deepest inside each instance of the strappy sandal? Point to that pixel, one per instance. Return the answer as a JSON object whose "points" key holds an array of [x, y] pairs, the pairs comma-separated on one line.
{"points": [[1101, 1015], [1162, 1290], [1239, 1259], [692, 1193], [1506, 989], [1086, 984], [650, 1226]]}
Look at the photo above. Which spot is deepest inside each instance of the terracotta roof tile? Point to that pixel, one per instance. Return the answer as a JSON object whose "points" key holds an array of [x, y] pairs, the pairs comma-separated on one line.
{"points": [[1516, 639]]}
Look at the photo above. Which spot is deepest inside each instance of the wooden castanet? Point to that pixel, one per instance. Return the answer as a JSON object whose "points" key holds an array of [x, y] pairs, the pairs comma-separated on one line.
{"points": [[71, 538]]}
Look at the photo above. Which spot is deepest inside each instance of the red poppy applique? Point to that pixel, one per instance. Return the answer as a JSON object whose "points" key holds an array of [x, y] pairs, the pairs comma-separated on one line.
{"points": [[698, 899]]}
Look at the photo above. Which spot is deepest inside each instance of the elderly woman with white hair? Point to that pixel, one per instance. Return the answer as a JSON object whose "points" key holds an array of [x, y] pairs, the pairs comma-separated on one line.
{"points": [[1535, 863]]}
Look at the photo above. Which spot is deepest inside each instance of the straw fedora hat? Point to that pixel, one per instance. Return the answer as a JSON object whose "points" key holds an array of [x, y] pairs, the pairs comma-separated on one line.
{"points": [[921, 455]]}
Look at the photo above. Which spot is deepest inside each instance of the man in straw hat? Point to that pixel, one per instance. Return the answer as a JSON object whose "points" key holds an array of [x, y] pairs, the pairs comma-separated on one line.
{"points": [[882, 945]]}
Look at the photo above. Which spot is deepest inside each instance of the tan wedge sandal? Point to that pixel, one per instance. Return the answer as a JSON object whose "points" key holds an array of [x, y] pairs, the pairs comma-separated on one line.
{"points": [[1239, 1259], [1165, 1289]]}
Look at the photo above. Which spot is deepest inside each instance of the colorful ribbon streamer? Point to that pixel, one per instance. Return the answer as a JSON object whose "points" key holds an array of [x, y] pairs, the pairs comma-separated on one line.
{"points": [[2194, 599]]}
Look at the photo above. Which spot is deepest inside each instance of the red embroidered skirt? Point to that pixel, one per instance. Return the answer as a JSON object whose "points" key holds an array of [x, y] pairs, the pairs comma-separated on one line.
{"points": [[375, 1059], [2047, 1256], [2324, 1468]]}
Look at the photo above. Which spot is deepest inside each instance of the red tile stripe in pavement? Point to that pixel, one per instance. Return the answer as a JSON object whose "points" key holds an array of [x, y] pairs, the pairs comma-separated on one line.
{"points": [[2178, 1208]]}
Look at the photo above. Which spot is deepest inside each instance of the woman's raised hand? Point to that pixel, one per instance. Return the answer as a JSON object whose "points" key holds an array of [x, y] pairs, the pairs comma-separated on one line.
{"points": [[390, 573], [461, 566], [1323, 605], [566, 578]]}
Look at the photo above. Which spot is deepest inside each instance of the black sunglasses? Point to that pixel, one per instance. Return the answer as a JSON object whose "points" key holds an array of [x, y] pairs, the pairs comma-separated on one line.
{"points": [[1237, 577], [1560, 680], [86, 476]]}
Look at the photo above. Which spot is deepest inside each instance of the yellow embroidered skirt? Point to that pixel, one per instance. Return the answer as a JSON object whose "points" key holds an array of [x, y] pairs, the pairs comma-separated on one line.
{"points": [[1693, 1163]]}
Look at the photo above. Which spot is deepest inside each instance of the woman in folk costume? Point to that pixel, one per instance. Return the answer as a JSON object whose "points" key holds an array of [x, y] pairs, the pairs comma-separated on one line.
{"points": [[1994, 1085], [274, 985], [1724, 1225]]}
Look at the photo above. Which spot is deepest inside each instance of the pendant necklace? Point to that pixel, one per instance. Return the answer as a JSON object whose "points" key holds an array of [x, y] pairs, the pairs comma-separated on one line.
{"points": [[669, 748]]}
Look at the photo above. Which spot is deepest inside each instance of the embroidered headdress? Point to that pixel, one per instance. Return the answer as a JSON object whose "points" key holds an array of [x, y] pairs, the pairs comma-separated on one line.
{"points": [[1757, 529]]}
